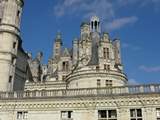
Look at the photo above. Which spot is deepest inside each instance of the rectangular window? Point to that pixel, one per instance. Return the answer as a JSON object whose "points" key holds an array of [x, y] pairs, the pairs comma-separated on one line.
{"points": [[108, 83], [102, 114], [66, 115], [22, 115], [108, 53], [112, 114], [98, 82], [104, 53], [105, 67], [136, 114], [10, 79], [158, 113], [107, 115], [14, 45]]}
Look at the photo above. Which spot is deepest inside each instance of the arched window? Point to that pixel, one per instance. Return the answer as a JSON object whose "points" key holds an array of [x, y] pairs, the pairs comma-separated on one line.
{"points": [[65, 65], [95, 24], [92, 24]]}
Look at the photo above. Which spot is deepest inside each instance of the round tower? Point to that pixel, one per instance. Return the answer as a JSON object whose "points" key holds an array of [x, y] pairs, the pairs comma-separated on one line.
{"points": [[10, 17]]}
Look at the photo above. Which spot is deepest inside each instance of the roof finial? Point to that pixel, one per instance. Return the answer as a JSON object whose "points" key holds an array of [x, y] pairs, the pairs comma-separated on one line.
{"points": [[58, 37]]}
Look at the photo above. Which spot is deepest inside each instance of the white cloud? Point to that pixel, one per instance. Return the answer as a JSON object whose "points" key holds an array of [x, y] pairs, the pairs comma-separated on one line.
{"points": [[149, 69], [102, 8], [107, 10], [118, 23], [141, 3]]}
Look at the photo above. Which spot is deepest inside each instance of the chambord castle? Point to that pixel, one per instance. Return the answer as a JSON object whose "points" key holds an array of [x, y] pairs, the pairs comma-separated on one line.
{"points": [[85, 82]]}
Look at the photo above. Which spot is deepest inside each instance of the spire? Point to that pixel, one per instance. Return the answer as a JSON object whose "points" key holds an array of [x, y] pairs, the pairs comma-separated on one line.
{"points": [[57, 45], [58, 37]]}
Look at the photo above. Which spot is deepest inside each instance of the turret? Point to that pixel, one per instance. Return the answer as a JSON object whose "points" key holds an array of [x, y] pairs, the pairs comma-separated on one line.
{"points": [[57, 45], [95, 24], [10, 41], [105, 37], [85, 30]]}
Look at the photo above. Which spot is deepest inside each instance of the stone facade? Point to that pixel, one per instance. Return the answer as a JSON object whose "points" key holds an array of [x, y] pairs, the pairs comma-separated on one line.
{"points": [[118, 103], [85, 82]]}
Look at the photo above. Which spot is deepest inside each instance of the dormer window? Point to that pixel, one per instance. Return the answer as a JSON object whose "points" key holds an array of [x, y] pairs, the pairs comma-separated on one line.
{"points": [[65, 66], [104, 53]]}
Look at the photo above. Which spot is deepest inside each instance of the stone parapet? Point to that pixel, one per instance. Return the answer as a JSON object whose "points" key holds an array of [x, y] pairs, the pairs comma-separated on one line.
{"points": [[87, 92]]}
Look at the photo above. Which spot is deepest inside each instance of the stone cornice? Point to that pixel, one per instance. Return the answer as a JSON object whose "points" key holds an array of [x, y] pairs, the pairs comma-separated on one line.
{"points": [[10, 25], [149, 100], [11, 32], [84, 73]]}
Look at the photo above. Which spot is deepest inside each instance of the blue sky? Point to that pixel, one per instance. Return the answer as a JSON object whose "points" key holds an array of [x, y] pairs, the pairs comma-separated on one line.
{"points": [[135, 22]]}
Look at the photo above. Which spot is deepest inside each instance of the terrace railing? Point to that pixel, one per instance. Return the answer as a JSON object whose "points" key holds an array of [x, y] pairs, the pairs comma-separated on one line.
{"points": [[84, 92]]}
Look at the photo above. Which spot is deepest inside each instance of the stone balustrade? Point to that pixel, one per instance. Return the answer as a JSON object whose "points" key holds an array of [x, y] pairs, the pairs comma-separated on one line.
{"points": [[85, 92]]}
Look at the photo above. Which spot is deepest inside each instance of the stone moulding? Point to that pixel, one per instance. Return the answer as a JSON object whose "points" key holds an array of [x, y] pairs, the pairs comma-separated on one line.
{"points": [[119, 102]]}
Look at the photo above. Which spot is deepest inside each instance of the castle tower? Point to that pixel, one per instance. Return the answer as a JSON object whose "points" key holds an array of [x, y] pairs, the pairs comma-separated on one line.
{"points": [[57, 45], [10, 15]]}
